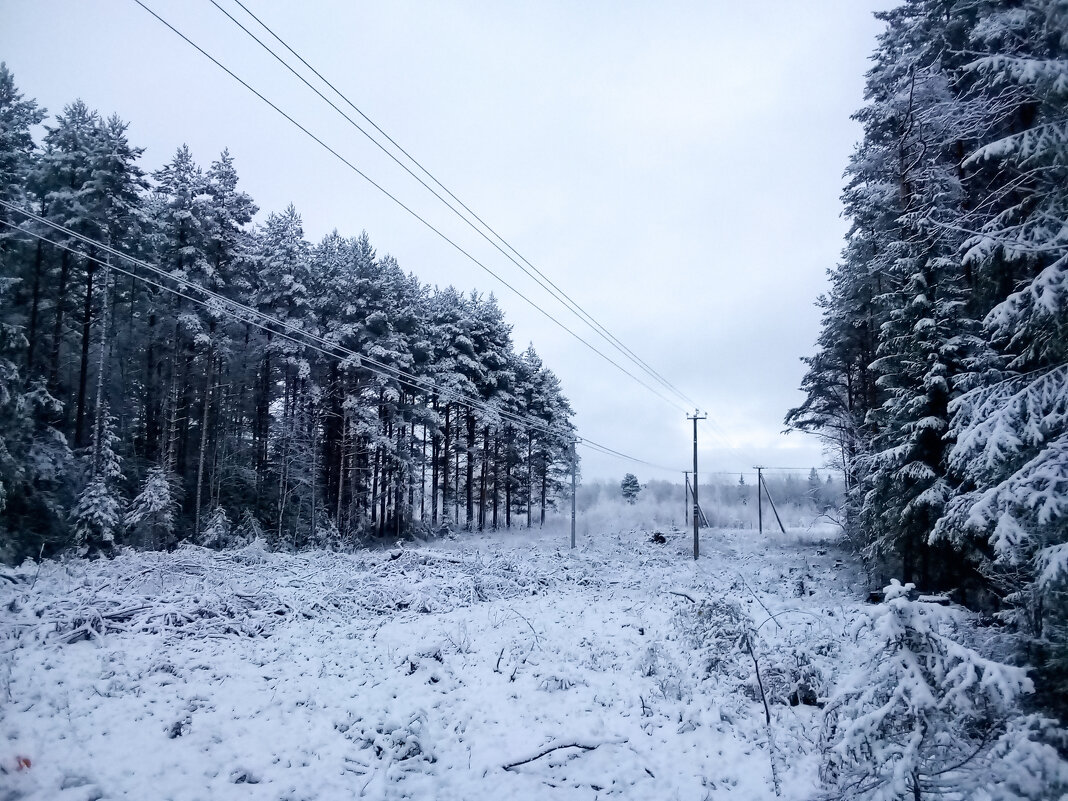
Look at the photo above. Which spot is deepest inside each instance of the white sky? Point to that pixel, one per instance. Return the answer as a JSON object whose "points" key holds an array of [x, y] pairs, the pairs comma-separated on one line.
{"points": [[675, 167]]}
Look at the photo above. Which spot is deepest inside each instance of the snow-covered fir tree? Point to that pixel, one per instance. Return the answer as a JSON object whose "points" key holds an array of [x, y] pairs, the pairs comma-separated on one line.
{"points": [[150, 520], [98, 514], [928, 717]]}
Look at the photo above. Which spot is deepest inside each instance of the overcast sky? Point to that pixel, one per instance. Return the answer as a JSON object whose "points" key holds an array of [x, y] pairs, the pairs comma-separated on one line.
{"points": [[675, 167]]}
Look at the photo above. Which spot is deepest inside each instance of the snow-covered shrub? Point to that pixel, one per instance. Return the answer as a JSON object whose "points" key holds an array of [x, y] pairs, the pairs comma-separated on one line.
{"points": [[795, 674], [400, 741], [926, 716], [717, 629], [327, 534], [248, 530]]}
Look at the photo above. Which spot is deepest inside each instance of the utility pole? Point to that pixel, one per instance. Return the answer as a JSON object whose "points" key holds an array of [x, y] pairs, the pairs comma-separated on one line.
{"points": [[686, 496], [573, 483], [760, 506], [696, 508]]}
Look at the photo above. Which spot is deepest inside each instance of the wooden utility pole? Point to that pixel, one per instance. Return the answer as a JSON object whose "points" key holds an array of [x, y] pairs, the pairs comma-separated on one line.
{"points": [[574, 482], [696, 507], [760, 506]]}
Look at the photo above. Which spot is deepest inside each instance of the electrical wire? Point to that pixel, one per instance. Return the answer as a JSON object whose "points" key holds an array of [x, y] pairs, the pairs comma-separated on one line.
{"points": [[402, 205], [254, 317], [537, 275]]}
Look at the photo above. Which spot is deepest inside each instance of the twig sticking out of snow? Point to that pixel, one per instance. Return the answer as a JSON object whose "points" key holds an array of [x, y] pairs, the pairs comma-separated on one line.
{"points": [[685, 595], [767, 714], [560, 747]]}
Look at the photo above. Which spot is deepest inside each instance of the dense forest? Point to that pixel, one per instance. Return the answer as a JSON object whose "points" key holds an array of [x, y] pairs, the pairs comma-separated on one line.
{"points": [[940, 381], [237, 381]]}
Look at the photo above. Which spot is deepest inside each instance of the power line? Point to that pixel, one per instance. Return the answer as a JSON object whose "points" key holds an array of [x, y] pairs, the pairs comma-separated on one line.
{"points": [[264, 321], [538, 276], [400, 203]]}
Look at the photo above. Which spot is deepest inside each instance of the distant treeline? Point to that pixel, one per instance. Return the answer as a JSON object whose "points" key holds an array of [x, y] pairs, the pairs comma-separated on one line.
{"points": [[129, 414], [727, 498]]}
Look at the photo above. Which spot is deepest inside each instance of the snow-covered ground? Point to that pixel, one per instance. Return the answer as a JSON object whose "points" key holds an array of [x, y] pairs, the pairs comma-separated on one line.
{"points": [[503, 666]]}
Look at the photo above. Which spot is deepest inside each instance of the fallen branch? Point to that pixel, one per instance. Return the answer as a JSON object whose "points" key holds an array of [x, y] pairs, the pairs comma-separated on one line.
{"points": [[685, 595], [552, 748]]}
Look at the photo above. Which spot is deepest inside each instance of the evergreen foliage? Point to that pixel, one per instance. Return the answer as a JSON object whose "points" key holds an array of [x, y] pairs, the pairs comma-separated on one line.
{"points": [[928, 717], [630, 488], [206, 417], [939, 378]]}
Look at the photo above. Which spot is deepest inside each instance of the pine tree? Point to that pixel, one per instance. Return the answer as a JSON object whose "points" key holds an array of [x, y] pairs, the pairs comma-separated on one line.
{"points": [[629, 487]]}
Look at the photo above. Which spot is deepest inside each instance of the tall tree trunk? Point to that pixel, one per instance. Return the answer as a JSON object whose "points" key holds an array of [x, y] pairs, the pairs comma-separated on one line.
{"points": [[445, 456], [203, 438], [496, 473], [57, 323], [508, 479], [313, 430], [435, 453], [283, 459], [83, 371], [341, 473], [261, 427], [422, 480], [387, 476], [544, 483], [469, 469], [35, 303], [152, 413], [374, 485], [530, 481], [485, 477], [398, 503], [98, 424]]}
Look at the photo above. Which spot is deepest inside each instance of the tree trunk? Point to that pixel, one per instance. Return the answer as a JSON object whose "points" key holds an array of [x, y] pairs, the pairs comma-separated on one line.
{"points": [[313, 430], [496, 474], [530, 481], [35, 303], [445, 469], [484, 478], [435, 454], [152, 416], [57, 324], [508, 480], [341, 472], [422, 481], [469, 470], [374, 486], [544, 483], [203, 439], [398, 503]]}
